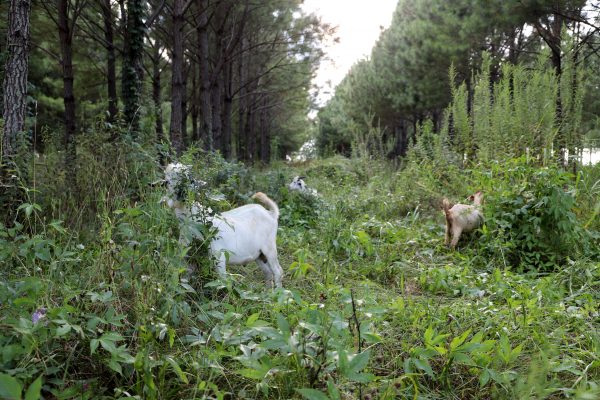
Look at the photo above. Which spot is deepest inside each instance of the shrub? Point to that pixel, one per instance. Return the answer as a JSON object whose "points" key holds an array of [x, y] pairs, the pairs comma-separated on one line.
{"points": [[530, 216]]}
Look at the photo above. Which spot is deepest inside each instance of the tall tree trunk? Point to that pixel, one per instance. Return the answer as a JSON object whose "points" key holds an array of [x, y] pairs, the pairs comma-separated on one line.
{"points": [[216, 90], [242, 144], [156, 94], [194, 96], [132, 69], [227, 110], [184, 107], [66, 48], [177, 86], [111, 63], [264, 133], [204, 72], [15, 75], [560, 142], [250, 131]]}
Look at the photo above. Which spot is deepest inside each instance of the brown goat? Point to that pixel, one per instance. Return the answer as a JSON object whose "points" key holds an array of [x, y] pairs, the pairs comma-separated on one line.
{"points": [[462, 218]]}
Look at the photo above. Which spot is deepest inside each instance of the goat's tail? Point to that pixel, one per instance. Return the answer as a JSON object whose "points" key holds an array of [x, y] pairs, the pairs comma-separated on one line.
{"points": [[446, 206], [268, 203]]}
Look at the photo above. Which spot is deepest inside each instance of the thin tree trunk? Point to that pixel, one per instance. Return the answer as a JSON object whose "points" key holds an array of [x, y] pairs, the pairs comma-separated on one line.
{"points": [[204, 72], [177, 85], [194, 110], [111, 61], [132, 69], [227, 110], [15, 75], [250, 132], [66, 49], [216, 102], [184, 107], [242, 144], [264, 139], [156, 94]]}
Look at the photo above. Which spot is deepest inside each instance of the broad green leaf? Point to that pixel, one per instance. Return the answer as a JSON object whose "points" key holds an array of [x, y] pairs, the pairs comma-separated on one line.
{"points": [[34, 390], [10, 388], [63, 330], [457, 341], [312, 394], [115, 366], [94, 345], [333, 391], [359, 361], [251, 373], [177, 370], [424, 365], [484, 377], [251, 319]]}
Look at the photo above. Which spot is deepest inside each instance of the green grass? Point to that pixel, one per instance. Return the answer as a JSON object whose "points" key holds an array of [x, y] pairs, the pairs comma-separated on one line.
{"points": [[374, 305]]}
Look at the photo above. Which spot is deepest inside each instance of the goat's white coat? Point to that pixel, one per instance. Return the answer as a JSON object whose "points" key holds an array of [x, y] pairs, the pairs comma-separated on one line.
{"points": [[462, 218], [245, 234]]}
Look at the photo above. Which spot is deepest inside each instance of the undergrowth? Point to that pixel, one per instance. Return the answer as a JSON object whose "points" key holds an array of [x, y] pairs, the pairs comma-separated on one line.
{"points": [[96, 300]]}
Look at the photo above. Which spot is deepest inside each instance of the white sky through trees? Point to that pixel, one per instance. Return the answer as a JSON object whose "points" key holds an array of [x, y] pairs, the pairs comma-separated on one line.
{"points": [[358, 23]]}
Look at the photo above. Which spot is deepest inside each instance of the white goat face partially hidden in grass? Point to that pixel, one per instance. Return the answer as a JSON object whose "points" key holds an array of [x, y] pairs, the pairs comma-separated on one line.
{"points": [[244, 234], [299, 185]]}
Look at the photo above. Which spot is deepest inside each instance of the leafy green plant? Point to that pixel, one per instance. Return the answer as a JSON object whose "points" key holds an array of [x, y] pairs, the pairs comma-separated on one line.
{"points": [[534, 215]]}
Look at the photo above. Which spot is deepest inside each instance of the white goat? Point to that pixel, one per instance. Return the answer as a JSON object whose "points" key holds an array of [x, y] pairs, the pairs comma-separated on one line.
{"points": [[299, 185], [462, 218], [244, 234]]}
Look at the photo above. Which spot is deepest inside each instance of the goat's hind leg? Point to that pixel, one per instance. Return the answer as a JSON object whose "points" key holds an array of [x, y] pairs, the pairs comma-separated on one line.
{"points": [[266, 269], [455, 236], [270, 265], [447, 237]]}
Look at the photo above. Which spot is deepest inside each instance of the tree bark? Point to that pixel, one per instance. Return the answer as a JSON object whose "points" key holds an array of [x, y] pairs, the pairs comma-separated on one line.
{"points": [[264, 133], [242, 144], [111, 61], [227, 110], [132, 70], [65, 34], [157, 93], [184, 106], [194, 109], [15, 75], [204, 75], [177, 85]]}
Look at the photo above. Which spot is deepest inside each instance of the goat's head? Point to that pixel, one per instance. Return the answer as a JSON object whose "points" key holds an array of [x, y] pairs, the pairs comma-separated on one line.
{"points": [[178, 180], [476, 198], [298, 183]]}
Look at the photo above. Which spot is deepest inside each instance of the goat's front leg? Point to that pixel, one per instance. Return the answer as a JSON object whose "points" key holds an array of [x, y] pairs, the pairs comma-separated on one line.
{"points": [[221, 266], [447, 237]]}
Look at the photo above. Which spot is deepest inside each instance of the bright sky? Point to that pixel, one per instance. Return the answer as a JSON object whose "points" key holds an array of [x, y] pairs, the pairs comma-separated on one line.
{"points": [[359, 23]]}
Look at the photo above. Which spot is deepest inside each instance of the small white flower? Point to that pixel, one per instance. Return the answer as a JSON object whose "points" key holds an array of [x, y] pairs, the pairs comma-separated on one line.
{"points": [[80, 246]]}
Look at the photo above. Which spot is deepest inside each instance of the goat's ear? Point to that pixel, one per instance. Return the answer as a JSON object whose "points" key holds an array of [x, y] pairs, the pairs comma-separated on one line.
{"points": [[301, 177], [472, 197]]}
